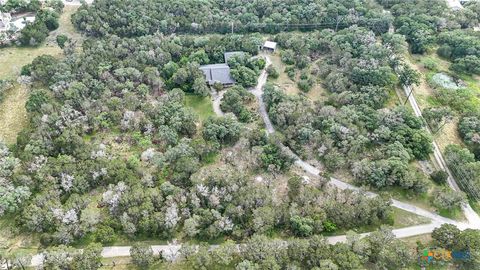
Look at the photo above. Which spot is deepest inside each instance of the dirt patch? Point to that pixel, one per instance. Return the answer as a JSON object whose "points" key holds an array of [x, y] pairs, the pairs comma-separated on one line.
{"points": [[317, 93]]}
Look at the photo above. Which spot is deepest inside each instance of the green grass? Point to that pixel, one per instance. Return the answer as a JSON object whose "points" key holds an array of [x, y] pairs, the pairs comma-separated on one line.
{"points": [[472, 82], [475, 205], [13, 115], [455, 213], [405, 219], [210, 158], [420, 200], [201, 105], [12, 59]]}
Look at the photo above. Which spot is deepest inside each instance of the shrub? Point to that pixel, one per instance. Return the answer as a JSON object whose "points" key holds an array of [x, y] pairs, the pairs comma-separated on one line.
{"points": [[218, 86], [447, 198], [305, 85], [61, 40], [301, 226], [222, 130], [445, 51], [36, 99], [142, 256], [430, 64], [290, 70], [272, 72], [288, 57], [104, 234], [26, 70], [329, 226], [439, 177], [469, 64]]}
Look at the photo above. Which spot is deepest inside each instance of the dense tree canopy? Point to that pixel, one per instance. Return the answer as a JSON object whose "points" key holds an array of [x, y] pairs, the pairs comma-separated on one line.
{"points": [[352, 129], [113, 150], [147, 17]]}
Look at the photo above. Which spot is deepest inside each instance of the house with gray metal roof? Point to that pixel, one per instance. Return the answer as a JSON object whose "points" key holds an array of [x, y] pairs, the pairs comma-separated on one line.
{"points": [[217, 73]]}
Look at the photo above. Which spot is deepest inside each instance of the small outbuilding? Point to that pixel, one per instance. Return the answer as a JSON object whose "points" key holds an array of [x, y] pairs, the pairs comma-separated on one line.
{"points": [[217, 73], [269, 46]]}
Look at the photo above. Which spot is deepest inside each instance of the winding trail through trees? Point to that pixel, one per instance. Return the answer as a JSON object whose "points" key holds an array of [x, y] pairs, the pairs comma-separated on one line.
{"points": [[437, 220], [171, 251]]}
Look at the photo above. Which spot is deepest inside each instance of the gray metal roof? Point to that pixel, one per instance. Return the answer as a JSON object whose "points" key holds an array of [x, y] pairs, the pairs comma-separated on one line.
{"points": [[217, 73], [229, 55]]}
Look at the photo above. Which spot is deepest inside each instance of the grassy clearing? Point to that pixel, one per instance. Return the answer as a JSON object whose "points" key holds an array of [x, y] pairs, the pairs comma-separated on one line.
{"points": [[426, 240], [12, 59], [420, 200], [13, 115], [405, 219], [117, 263], [317, 93], [423, 91], [428, 65], [448, 135], [455, 213], [283, 80], [124, 263], [201, 105]]}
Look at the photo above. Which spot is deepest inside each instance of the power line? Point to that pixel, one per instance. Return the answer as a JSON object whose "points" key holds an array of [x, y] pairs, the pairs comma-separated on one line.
{"points": [[333, 23]]}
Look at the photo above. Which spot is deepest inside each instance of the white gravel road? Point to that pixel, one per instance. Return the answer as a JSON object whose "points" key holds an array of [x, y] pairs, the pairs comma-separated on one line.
{"points": [[472, 217]]}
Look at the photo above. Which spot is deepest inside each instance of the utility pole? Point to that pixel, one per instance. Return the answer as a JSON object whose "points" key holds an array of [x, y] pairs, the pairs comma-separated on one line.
{"points": [[232, 27]]}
